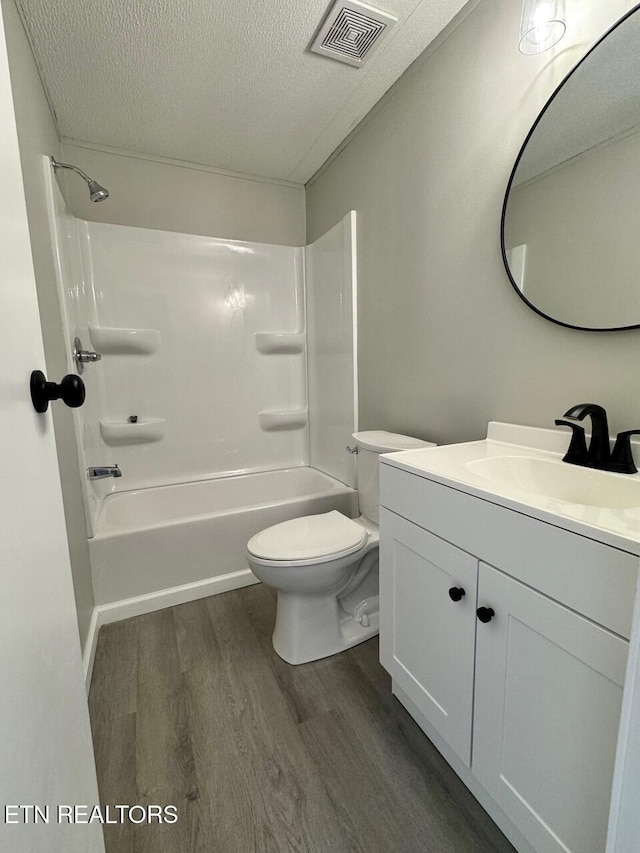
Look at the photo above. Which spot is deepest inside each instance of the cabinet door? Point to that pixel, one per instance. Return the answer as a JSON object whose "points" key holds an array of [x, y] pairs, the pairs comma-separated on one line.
{"points": [[547, 709], [427, 639]]}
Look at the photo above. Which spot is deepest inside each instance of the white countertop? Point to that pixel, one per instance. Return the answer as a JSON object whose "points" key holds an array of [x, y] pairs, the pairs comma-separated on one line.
{"points": [[455, 466]]}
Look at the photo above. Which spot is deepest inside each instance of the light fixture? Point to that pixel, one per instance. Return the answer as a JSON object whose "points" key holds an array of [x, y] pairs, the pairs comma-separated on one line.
{"points": [[543, 24]]}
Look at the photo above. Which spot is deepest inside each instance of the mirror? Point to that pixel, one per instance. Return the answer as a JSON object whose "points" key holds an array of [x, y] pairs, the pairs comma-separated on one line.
{"points": [[571, 216]]}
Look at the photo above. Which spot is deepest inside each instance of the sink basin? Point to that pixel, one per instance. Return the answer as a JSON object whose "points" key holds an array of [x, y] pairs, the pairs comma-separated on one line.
{"points": [[521, 468], [550, 478]]}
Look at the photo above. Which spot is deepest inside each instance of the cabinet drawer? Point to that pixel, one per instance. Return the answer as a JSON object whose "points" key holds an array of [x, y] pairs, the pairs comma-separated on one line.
{"points": [[587, 576]]}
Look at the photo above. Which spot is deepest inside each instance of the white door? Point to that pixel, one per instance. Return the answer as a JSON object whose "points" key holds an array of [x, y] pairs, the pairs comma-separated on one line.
{"points": [[427, 628], [46, 758], [547, 710]]}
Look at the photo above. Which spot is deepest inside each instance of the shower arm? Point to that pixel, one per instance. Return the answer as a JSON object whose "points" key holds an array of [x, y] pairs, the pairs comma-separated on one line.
{"points": [[96, 191], [57, 165]]}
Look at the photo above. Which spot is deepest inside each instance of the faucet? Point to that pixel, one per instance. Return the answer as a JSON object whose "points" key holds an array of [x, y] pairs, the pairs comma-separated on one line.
{"points": [[99, 473], [599, 453]]}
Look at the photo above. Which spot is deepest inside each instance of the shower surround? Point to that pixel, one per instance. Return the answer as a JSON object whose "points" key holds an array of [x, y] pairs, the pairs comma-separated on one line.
{"points": [[225, 410]]}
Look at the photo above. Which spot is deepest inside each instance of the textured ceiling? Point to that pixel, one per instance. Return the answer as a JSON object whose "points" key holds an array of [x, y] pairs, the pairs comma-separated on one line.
{"points": [[599, 102], [225, 83]]}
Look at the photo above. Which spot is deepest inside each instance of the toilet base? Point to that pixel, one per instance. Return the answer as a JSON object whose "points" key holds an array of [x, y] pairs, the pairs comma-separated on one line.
{"points": [[311, 627]]}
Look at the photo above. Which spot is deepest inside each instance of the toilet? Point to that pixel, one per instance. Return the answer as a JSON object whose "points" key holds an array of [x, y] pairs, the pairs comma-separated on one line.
{"points": [[325, 567]]}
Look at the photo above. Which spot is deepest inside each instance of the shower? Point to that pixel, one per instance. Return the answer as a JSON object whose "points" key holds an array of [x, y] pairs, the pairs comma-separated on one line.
{"points": [[96, 191]]}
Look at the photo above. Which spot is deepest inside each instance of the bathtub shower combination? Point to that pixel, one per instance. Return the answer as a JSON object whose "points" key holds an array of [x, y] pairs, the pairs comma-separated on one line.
{"points": [[225, 394], [150, 540]]}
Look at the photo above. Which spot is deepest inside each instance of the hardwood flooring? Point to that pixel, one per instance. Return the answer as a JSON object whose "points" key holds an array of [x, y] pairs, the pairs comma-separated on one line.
{"points": [[190, 706]]}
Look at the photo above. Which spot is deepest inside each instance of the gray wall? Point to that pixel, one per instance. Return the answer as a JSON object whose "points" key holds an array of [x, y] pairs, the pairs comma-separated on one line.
{"points": [[149, 193], [37, 136], [445, 343]]}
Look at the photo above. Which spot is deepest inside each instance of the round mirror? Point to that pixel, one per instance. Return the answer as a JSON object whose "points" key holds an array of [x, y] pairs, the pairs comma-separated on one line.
{"points": [[571, 215]]}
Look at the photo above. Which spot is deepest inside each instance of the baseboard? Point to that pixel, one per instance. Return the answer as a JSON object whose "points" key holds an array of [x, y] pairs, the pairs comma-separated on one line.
{"points": [[89, 652], [116, 611]]}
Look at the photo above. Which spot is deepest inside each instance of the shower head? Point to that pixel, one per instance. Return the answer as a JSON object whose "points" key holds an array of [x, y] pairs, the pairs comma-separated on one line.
{"points": [[96, 192]]}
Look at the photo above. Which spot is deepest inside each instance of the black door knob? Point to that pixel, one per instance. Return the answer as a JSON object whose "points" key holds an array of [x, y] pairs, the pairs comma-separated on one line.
{"points": [[456, 593], [70, 391], [485, 614]]}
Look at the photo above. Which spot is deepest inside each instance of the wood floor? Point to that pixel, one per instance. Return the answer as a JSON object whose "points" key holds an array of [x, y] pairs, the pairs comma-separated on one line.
{"points": [[190, 706]]}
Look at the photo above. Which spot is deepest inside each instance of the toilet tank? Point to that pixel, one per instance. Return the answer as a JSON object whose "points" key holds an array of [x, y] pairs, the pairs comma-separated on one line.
{"points": [[371, 444]]}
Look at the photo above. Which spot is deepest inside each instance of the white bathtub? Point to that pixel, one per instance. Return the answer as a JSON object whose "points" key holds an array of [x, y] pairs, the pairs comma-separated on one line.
{"points": [[189, 540]]}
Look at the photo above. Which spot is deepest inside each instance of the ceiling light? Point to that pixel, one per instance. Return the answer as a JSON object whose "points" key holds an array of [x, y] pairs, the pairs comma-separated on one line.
{"points": [[543, 24]]}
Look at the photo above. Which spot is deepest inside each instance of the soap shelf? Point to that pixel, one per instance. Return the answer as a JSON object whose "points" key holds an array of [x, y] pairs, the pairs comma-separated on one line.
{"points": [[112, 340], [273, 420], [143, 431], [271, 343]]}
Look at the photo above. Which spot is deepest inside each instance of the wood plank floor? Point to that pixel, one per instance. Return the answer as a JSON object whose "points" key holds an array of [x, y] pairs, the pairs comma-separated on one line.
{"points": [[191, 706]]}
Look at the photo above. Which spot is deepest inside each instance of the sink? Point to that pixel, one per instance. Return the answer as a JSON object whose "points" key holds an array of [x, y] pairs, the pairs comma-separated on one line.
{"points": [[521, 468], [551, 478]]}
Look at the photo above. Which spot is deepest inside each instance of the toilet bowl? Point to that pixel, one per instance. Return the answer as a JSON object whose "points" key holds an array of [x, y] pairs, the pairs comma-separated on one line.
{"points": [[325, 567]]}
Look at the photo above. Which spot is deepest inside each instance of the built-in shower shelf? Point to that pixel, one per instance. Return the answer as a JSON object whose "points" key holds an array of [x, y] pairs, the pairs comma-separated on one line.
{"points": [[114, 340], [273, 420], [272, 343], [143, 431]]}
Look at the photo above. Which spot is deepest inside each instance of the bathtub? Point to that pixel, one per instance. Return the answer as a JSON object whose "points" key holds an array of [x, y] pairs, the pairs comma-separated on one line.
{"points": [[169, 544]]}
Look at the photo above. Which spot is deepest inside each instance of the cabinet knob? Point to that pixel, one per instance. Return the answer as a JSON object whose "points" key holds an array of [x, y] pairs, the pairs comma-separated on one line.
{"points": [[485, 614], [456, 593]]}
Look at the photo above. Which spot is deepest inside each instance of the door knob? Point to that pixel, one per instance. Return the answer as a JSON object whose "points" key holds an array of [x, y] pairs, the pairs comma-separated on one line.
{"points": [[456, 593], [485, 614], [70, 391]]}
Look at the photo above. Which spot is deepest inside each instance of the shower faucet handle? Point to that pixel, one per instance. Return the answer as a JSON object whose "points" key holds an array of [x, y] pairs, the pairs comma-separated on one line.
{"points": [[83, 356]]}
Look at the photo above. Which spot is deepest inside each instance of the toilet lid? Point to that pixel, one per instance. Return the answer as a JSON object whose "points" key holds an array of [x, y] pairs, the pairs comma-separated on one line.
{"points": [[308, 538]]}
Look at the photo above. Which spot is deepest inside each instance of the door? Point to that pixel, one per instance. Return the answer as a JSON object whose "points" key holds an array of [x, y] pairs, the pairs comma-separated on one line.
{"points": [[427, 625], [46, 757], [547, 710]]}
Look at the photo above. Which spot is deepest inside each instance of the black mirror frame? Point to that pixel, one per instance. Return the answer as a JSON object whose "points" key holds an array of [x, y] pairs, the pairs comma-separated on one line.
{"points": [[565, 80]]}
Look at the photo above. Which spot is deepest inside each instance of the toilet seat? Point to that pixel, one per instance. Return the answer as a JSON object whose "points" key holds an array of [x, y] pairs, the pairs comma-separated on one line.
{"points": [[308, 540]]}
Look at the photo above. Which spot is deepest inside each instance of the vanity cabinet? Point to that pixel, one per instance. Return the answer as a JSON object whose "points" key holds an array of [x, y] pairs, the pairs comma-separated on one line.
{"points": [[526, 705]]}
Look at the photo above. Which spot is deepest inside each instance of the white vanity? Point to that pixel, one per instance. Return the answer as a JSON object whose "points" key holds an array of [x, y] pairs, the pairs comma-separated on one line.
{"points": [[507, 587]]}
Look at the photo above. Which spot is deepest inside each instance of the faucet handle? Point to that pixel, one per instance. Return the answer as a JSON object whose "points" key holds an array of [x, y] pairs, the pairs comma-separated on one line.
{"points": [[622, 456], [577, 453]]}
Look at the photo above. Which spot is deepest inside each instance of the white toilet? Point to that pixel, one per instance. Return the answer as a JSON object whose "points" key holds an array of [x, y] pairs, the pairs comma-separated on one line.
{"points": [[325, 567]]}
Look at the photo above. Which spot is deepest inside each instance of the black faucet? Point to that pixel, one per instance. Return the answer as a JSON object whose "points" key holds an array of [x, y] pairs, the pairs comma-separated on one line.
{"points": [[599, 453], [577, 454]]}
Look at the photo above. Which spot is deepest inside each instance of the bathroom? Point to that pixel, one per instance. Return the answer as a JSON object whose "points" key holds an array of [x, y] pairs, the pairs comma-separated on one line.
{"points": [[208, 149]]}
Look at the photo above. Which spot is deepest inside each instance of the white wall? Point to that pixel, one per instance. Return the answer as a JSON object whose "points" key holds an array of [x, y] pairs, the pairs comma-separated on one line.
{"points": [[37, 136], [170, 196], [331, 290], [445, 342], [45, 739], [580, 226], [208, 380]]}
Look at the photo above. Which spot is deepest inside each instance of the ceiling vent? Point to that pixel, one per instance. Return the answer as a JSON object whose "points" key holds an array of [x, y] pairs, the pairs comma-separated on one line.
{"points": [[351, 30]]}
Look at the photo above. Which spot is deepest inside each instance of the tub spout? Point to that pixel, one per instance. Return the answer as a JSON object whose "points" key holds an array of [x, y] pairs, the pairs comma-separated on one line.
{"points": [[101, 473]]}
